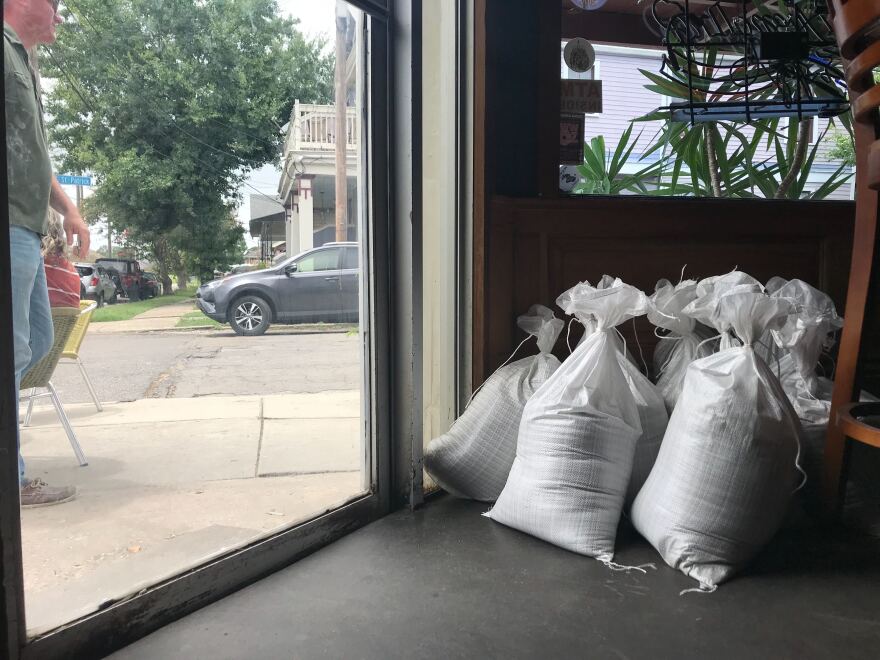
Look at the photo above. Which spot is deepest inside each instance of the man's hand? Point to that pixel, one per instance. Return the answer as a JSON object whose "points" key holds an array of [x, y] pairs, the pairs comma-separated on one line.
{"points": [[74, 225], [73, 221]]}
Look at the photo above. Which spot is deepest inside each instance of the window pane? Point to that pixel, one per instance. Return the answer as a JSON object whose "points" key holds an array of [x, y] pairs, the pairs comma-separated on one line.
{"points": [[322, 260], [631, 125], [226, 399]]}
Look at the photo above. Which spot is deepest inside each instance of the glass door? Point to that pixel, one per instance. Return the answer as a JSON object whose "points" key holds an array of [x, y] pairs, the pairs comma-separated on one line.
{"points": [[219, 405]]}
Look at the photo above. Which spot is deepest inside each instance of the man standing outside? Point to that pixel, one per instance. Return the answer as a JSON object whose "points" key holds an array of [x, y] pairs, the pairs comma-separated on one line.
{"points": [[32, 190]]}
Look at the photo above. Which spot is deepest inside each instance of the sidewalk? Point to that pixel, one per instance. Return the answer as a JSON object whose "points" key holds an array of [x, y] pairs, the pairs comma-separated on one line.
{"points": [[165, 318], [173, 482], [158, 318]]}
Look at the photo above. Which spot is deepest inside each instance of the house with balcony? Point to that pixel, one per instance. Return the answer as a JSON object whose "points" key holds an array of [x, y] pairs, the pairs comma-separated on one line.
{"points": [[307, 189]]}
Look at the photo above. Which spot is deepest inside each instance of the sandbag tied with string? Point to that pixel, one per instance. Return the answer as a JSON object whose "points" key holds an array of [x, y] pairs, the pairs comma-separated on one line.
{"points": [[728, 465], [680, 346], [652, 409], [577, 437], [705, 306], [802, 340], [472, 460]]}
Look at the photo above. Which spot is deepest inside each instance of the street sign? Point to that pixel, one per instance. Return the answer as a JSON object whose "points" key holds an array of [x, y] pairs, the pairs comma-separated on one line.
{"points": [[70, 180]]}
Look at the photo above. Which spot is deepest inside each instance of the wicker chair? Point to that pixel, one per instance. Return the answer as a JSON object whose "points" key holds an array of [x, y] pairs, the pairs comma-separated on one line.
{"points": [[64, 320], [74, 342]]}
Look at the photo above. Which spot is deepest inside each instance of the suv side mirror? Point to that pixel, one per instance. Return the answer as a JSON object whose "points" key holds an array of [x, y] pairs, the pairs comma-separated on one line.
{"points": [[291, 269]]}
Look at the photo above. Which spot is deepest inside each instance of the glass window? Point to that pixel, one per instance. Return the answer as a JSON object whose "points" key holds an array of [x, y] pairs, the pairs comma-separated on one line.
{"points": [[317, 261], [709, 120], [205, 423], [351, 259]]}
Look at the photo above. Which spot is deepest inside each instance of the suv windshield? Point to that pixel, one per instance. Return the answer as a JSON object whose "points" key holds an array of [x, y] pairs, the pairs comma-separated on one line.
{"points": [[84, 270]]}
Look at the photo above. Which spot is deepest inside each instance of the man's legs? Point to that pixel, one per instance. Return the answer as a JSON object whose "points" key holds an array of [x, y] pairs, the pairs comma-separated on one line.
{"points": [[33, 334], [25, 263]]}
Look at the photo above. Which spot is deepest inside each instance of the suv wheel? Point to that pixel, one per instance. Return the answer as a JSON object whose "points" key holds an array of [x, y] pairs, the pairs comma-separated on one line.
{"points": [[249, 316]]}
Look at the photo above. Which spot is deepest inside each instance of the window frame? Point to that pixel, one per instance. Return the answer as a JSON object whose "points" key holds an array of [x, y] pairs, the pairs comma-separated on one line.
{"points": [[387, 298]]}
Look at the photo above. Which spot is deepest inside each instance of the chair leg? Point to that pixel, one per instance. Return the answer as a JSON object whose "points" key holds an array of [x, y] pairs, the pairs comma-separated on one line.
{"points": [[31, 396], [67, 428], [85, 375]]}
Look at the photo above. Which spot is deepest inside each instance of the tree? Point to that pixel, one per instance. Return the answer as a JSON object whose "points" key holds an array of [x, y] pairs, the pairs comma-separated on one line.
{"points": [[170, 105]]}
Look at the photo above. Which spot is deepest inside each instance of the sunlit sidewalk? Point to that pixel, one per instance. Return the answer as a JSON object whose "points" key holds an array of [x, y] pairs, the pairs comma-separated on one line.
{"points": [[173, 482]]}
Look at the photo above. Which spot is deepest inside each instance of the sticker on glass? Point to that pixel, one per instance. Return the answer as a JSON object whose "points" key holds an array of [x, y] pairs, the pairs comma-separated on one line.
{"points": [[579, 55]]}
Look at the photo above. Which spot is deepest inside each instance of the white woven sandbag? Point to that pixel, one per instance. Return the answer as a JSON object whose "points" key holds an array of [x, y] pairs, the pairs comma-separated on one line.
{"points": [[680, 345], [649, 402], [473, 458], [577, 438], [800, 343], [802, 339], [727, 466]]}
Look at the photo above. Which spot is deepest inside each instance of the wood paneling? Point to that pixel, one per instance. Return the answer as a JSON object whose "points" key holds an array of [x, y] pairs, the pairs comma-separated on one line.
{"points": [[536, 249]]}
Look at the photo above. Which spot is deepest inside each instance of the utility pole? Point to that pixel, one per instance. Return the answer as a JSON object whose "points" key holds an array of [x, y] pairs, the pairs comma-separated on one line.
{"points": [[341, 137]]}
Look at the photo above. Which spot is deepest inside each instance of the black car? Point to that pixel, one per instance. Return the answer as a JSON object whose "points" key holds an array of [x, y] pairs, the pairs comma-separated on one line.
{"points": [[318, 285]]}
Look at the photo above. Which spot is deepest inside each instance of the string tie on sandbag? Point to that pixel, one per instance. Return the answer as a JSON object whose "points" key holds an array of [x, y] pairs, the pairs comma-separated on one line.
{"points": [[614, 566], [704, 588], [474, 393]]}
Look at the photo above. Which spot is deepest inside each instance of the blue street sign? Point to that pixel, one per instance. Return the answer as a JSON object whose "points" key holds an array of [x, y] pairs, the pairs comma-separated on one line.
{"points": [[69, 180]]}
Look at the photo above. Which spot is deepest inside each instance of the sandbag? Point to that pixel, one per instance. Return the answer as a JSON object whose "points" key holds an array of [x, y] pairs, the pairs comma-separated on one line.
{"points": [[727, 466], [649, 402], [472, 460], [800, 342], [577, 438], [677, 349]]}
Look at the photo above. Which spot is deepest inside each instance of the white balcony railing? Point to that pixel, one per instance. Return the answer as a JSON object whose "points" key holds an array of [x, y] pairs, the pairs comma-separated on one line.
{"points": [[314, 128]]}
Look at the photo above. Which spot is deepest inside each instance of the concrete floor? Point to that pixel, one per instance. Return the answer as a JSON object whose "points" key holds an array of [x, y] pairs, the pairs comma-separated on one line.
{"points": [[444, 582]]}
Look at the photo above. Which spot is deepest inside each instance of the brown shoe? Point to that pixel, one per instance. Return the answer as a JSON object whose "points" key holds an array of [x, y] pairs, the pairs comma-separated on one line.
{"points": [[37, 492]]}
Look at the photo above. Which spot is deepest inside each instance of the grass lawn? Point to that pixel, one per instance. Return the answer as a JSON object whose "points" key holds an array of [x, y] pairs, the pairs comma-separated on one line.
{"points": [[193, 319], [126, 311]]}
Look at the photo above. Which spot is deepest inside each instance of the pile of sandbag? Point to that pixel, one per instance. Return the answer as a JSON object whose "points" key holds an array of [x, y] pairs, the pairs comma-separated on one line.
{"points": [[709, 457], [473, 458]]}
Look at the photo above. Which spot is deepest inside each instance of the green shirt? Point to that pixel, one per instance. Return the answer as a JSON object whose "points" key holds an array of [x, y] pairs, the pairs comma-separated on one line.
{"points": [[28, 168]]}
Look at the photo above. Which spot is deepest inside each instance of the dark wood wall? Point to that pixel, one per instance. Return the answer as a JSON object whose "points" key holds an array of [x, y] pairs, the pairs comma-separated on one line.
{"points": [[530, 244]]}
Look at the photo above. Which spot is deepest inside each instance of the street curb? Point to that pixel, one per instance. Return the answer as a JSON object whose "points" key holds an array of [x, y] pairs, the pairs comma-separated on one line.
{"points": [[303, 331]]}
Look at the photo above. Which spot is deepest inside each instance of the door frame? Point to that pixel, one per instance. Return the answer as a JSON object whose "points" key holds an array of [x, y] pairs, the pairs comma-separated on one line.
{"points": [[389, 296]]}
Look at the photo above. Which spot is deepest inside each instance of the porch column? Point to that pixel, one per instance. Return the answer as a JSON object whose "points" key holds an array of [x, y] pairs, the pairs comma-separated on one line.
{"points": [[306, 219]]}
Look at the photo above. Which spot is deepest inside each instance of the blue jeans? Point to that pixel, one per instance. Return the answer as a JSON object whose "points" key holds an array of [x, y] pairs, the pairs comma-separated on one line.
{"points": [[31, 315]]}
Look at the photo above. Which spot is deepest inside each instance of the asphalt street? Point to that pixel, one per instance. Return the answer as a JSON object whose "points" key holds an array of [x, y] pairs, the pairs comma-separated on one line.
{"points": [[131, 366]]}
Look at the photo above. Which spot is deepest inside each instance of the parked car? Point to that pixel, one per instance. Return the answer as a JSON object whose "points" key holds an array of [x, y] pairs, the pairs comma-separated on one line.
{"points": [[96, 284], [131, 282], [151, 287], [318, 285]]}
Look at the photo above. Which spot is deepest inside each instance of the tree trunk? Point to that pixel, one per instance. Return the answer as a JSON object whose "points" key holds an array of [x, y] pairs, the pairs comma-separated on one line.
{"points": [[182, 278], [161, 253], [800, 155], [712, 156]]}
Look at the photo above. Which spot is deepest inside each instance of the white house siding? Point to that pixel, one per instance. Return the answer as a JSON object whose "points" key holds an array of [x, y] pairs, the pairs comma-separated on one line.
{"points": [[624, 99]]}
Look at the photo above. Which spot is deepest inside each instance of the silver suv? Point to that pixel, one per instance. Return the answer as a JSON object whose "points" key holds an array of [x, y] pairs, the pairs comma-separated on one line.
{"points": [[96, 284], [320, 285]]}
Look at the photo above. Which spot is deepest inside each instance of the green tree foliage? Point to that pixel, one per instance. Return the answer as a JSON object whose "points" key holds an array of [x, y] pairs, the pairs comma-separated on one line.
{"points": [[170, 105]]}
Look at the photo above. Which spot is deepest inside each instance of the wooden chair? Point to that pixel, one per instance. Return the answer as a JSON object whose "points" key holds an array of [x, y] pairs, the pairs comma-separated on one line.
{"points": [[64, 320], [74, 342], [857, 26]]}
